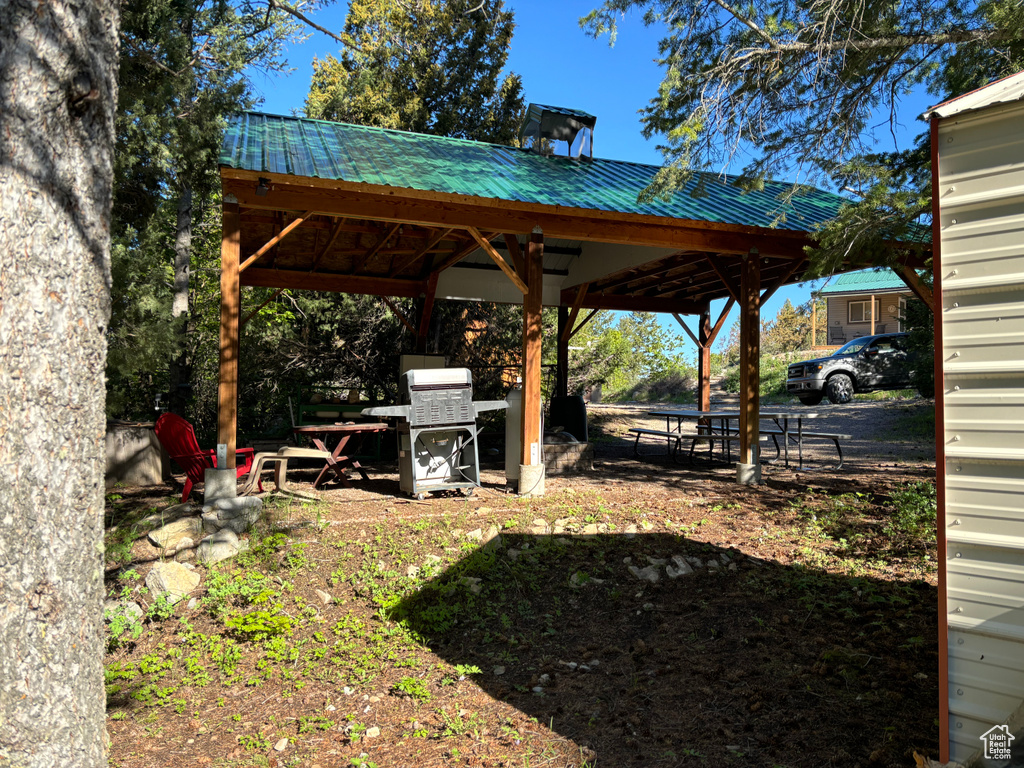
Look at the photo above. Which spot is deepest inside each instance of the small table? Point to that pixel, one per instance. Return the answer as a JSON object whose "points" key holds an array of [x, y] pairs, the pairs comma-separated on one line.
{"points": [[781, 419], [318, 433]]}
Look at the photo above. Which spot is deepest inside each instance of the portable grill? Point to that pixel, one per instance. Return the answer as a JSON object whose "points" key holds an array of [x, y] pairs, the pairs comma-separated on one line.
{"points": [[437, 446]]}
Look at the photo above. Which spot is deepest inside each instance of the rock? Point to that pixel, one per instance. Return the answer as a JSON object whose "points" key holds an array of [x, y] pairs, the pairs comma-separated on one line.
{"points": [[281, 745], [538, 690], [725, 558], [172, 537], [456, 533], [186, 550], [372, 733], [544, 679], [473, 583], [512, 554], [627, 560], [238, 514], [630, 530], [492, 534], [171, 579], [579, 579], [222, 545], [650, 573], [325, 597], [499, 670], [682, 568], [646, 525], [482, 510], [192, 604], [696, 562], [188, 509], [594, 528], [130, 609], [732, 566], [412, 571], [432, 560], [714, 564], [540, 527], [477, 534], [657, 561]]}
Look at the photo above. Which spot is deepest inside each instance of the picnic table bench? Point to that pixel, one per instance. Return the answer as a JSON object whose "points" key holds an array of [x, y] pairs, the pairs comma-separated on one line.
{"points": [[707, 433]]}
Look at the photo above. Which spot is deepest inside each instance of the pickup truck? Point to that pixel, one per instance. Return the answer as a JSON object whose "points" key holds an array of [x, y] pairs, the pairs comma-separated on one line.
{"points": [[863, 365]]}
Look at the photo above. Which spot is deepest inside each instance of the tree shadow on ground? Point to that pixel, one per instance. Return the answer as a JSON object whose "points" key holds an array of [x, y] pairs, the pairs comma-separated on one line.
{"points": [[741, 662]]}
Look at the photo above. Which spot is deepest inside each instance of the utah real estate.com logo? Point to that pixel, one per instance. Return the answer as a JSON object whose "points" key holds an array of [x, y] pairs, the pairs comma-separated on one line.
{"points": [[997, 742]]}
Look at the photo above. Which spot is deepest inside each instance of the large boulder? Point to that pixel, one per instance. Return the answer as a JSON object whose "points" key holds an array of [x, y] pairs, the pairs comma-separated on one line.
{"points": [[172, 579]]}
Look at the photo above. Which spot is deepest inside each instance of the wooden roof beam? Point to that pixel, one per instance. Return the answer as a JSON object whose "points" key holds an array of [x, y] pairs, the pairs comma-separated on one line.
{"points": [[458, 254], [274, 241], [322, 281], [581, 294], [497, 258], [722, 270], [381, 242]]}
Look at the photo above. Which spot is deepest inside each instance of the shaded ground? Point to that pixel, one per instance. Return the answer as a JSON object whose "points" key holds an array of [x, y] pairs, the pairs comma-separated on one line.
{"points": [[811, 641]]}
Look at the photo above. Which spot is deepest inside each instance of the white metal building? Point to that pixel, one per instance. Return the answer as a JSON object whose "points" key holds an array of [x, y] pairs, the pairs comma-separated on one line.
{"points": [[978, 233]]}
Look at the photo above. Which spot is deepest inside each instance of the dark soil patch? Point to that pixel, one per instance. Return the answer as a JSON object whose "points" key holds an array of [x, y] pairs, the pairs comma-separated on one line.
{"points": [[811, 642]]}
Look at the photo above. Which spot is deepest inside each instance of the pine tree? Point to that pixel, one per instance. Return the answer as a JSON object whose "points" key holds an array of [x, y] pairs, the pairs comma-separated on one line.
{"points": [[429, 66]]}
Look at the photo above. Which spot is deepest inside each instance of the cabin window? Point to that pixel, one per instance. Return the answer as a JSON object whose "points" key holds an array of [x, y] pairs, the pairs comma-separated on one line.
{"points": [[860, 311]]}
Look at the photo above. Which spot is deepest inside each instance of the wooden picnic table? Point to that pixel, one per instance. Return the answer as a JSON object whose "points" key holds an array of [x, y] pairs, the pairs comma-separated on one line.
{"points": [[781, 418], [336, 462]]}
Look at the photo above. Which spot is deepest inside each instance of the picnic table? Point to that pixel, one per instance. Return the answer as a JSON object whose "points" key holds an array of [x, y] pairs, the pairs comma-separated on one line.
{"points": [[336, 461], [789, 425]]}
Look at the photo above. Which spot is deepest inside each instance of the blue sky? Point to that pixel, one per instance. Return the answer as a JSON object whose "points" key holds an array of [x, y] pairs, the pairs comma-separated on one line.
{"points": [[561, 65]]}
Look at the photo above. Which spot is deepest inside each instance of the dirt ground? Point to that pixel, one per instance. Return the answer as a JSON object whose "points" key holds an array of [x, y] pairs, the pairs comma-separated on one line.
{"points": [[647, 613]]}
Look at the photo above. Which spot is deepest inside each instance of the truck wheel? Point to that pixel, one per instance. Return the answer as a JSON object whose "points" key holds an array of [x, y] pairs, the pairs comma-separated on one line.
{"points": [[839, 389], [811, 398]]}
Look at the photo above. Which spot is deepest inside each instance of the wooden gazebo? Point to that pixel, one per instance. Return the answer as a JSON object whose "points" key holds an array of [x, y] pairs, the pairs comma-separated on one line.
{"points": [[333, 207]]}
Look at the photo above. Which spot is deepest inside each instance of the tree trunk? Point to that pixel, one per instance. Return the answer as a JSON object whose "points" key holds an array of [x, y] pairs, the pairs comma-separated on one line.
{"points": [[58, 93], [178, 373]]}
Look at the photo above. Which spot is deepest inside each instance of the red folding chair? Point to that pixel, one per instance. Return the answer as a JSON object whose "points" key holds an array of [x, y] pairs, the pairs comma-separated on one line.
{"points": [[179, 440]]}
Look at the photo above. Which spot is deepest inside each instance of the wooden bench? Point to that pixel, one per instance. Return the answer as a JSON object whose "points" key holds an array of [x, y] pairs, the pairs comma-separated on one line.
{"points": [[794, 437], [644, 432]]}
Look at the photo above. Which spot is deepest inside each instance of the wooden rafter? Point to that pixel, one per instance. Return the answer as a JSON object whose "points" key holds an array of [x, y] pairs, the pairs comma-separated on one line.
{"points": [[399, 314], [658, 286], [512, 242], [679, 319], [636, 274], [581, 294], [338, 225], [723, 274], [580, 325], [791, 269], [917, 285], [274, 241], [459, 253], [497, 258], [419, 254], [381, 242]]}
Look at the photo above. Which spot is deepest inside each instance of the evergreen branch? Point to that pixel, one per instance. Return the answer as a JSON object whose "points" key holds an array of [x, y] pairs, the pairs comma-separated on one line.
{"points": [[293, 11]]}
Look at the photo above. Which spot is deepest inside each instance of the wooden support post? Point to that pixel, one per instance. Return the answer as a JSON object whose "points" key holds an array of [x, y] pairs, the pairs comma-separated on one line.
{"points": [[532, 304], [814, 320], [750, 355], [428, 308], [704, 340], [230, 301], [562, 369]]}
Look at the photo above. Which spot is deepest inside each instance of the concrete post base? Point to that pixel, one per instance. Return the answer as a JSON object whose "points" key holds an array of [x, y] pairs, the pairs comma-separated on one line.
{"points": [[220, 484], [531, 480], [748, 474]]}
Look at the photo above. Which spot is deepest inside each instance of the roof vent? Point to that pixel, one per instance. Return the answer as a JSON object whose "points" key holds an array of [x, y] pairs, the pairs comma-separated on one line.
{"points": [[558, 131]]}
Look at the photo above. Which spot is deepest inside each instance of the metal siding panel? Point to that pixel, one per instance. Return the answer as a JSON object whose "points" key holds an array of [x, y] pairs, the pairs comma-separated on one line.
{"points": [[981, 181]]}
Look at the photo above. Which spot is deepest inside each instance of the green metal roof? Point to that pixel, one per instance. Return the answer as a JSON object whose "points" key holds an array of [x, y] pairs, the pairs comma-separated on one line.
{"points": [[865, 281], [320, 149]]}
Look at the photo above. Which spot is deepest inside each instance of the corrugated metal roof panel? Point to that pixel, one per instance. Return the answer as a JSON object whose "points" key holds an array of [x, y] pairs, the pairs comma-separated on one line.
{"points": [[1000, 91], [865, 280], [359, 154]]}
